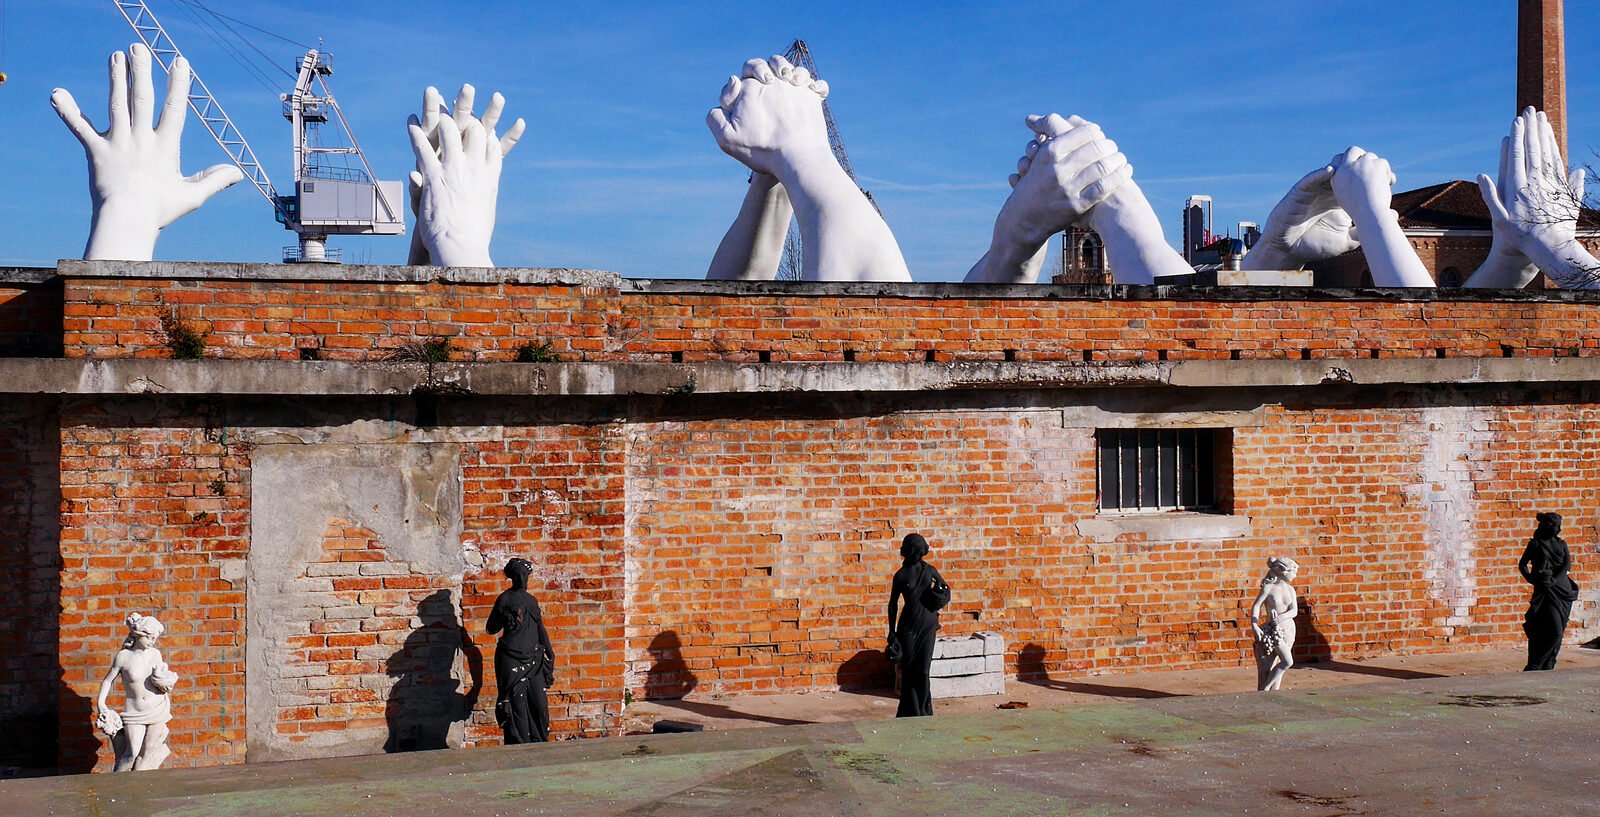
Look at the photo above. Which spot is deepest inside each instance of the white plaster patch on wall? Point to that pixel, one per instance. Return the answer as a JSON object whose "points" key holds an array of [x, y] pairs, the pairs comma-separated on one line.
{"points": [[638, 494], [1454, 439]]}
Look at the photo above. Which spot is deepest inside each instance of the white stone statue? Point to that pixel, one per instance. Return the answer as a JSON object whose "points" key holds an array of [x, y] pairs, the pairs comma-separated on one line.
{"points": [[1534, 206], [139, 733], [135, 183], [1274, 642], [1328, 209], [771, 120], [456, 186]]}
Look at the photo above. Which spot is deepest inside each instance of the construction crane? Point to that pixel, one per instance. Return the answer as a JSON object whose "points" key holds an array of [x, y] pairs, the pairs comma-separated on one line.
{"points": [[789, 267], [327, 199]]}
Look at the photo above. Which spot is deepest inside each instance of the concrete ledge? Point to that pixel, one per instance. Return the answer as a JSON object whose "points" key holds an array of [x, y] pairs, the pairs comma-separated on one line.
{"points": [[229, 271], [292, 377], [1165, 527]]}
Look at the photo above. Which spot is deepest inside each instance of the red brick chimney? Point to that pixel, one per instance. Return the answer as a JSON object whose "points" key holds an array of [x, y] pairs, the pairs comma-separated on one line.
{"points": [[1542, 63]]}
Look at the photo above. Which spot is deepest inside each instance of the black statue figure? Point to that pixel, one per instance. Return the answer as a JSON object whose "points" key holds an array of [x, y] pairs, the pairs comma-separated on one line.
{"points": [[524, 664], [1544, 565], [911, 640]]}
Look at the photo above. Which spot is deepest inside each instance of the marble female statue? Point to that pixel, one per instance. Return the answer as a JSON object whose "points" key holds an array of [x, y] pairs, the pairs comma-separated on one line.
{"points": [[524, 663], [1544, 564], [1275, 640], [139, 733], [912, 636]]}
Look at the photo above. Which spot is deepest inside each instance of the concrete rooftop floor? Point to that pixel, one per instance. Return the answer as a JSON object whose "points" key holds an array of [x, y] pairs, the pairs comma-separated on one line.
{"points": [[1351, 741]]}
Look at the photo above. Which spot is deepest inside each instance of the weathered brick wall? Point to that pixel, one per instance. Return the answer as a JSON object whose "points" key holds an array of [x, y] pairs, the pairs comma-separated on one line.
{"points": [[761, 550], [29, 559], [154, 518], [113, 318], [284, 320], [30, 314]]}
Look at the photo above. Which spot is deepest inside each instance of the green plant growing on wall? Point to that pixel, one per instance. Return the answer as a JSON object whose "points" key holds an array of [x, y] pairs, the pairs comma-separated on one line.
{"points": [[541, 352], [432, 350], [183, 340]]}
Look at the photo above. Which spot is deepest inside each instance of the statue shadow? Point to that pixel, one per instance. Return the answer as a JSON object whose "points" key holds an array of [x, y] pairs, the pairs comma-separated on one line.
{"points": [[1311, 644], [426, 699], [866, 671], [669, 677], [1032, 669], [711, 710]]}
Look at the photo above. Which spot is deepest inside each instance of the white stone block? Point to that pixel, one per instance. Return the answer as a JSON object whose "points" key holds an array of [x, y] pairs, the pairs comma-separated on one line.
{"points": [[947, 667], [966, 686]]}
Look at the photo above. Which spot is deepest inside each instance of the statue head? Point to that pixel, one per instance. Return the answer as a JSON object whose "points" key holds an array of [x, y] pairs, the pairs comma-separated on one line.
{"points": [[913, 547], [1282, 568], [143, 631], [518, 571], [1549, 525]]}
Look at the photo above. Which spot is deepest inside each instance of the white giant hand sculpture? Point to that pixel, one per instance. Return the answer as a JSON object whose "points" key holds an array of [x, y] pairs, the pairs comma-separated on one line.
{"points": [[1363, 184], [459, 215], [772, 121], [134, 181], [1307, 225], [1059, 179], [1534, 209]]}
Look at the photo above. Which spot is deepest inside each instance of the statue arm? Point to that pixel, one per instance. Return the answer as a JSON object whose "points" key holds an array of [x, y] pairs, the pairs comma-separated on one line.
{"points": [[1255, 613], [894, 606], [497, 619], [753, 245], [105, 683], [1136, 250], [1363, 185]]}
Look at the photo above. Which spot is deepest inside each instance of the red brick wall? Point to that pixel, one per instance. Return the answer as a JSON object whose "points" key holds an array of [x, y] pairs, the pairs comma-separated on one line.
{"points": [[153, 503], [762, 550], [107, 318]]}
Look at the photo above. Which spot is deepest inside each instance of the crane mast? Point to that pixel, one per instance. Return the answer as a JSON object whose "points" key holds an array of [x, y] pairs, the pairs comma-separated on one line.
{"points": [[327, 200]]}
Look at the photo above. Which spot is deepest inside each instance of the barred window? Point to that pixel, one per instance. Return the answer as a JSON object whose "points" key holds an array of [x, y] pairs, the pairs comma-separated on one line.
{"points": [[1159, 469]]}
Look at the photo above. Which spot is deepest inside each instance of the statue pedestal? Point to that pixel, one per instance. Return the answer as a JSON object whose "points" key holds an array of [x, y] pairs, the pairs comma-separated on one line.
{"points": [[964, 667]]}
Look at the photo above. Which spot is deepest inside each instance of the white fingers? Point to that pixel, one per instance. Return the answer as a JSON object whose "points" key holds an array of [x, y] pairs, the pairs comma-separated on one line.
{"points": [[1051, 125], [465, 99], [1491, 197], [473, 140], [170, 129], [67, 108], [117, 102], [214, 180], [432, 104], [427, 161], [758, 69], [449, 140], [142, 106], [1575, 184], [1505, 160], [1534, 154], [1517, 165], [491, 114], [820, 87], [717, 121], [1316, 181], [1062, 146], [801, 77], [1350, 155], [730, 92], [1117, 172], [782, 67], [1555, 163], [512, 136], [1013, 179]]}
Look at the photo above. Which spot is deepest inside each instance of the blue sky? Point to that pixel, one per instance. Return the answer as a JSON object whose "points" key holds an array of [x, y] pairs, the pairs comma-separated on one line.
{"points": [[618, 172]]}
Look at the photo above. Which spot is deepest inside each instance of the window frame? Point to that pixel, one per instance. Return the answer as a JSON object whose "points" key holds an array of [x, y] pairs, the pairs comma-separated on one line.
{"points": [[1163, 470]]}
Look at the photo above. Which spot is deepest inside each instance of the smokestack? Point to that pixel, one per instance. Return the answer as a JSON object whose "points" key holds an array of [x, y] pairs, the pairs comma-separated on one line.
{"points": [[1542, 63]]}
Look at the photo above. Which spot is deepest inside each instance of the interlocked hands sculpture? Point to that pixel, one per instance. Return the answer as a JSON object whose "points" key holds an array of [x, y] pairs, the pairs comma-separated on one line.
{"points": [[1334, 209], [1534, 206], [456, 186], [135, 183], [771, 119], [1071, 174]]}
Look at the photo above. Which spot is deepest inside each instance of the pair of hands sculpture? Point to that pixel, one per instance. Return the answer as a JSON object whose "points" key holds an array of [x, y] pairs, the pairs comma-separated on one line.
{"points": [[137, 189], [771, 119]]}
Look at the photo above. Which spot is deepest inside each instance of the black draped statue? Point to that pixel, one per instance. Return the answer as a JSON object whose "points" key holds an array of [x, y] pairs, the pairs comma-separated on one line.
{"points": [[524, 664], [912, 637], [1544, 564]]}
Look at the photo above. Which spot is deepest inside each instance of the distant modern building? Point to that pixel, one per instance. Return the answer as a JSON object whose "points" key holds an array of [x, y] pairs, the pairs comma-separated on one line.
{"points": [[1249, 233], [1196, 225]]}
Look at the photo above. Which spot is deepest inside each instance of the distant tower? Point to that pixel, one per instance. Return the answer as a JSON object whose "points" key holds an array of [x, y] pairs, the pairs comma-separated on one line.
{"points": [[1196, 225], [1542, 63], [1083, 258], [1249, 233]]}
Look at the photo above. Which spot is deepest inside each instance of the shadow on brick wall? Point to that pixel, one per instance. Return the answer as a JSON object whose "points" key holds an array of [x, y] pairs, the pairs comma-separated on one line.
{"points": [[865, 670], [669, 676], [426, 698]]}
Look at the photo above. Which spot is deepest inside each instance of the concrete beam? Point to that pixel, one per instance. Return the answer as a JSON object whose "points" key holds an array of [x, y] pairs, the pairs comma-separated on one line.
{"points": [[319, 378]]}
